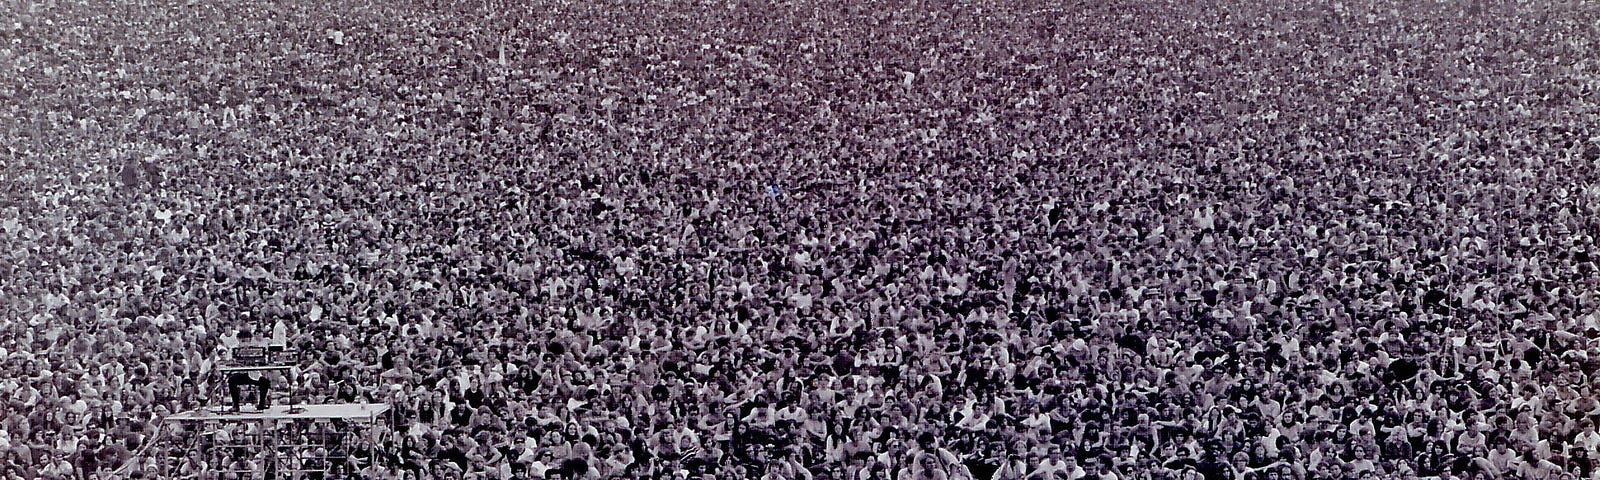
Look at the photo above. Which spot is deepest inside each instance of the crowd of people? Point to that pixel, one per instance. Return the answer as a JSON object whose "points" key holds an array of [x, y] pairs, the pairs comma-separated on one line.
{"points": [[815, 239]]}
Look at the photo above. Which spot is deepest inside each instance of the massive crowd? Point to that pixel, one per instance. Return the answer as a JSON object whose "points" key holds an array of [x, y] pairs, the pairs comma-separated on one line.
{"points": [[818, 239]]}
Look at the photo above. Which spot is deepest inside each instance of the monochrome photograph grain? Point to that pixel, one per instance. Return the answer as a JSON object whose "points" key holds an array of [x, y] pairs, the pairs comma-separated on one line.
{"points": [[799, 239]]}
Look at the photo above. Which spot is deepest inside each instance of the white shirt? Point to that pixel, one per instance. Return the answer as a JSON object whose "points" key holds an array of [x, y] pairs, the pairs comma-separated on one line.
{"points": [[280, 333], [1589, 440], [538, 468]]}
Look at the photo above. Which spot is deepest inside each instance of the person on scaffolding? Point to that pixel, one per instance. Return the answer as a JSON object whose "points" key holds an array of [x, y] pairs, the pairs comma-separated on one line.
{"points": [[248, 352]]}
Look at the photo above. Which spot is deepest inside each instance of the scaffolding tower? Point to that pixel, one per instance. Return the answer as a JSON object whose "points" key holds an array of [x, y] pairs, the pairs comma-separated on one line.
{"points": [[321, 441], [285, 441]]}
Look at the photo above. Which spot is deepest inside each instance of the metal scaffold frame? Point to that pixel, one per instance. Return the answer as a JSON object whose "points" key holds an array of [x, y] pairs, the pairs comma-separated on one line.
{"points": [[284, 442]]}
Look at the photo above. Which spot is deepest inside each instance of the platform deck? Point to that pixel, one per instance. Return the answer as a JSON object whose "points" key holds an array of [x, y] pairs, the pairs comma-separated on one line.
{"points": [[256, 368], [352, 412]]}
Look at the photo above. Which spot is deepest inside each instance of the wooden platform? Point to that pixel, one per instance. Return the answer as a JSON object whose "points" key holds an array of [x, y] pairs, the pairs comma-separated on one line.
{"points": [[350, 412]]}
